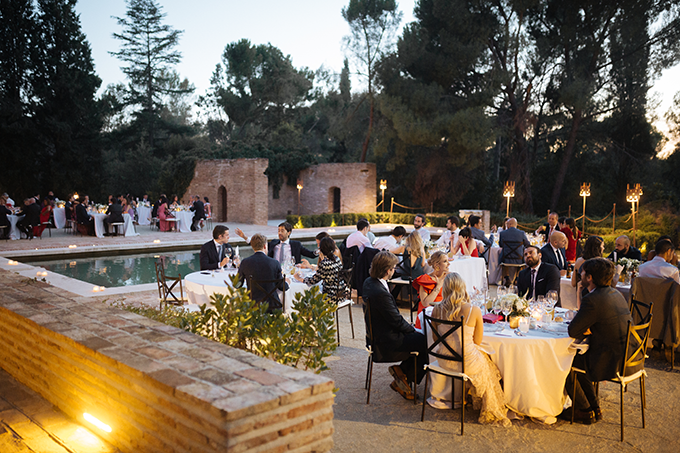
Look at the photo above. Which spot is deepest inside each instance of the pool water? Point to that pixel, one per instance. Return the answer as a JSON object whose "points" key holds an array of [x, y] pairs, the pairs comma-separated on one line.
{"points": [[128, 270]]}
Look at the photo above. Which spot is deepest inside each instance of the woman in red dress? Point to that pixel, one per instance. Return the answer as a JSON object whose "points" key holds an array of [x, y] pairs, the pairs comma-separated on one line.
{"points": [[466, 245], [163, 214], [429, 286], [568, 227]]}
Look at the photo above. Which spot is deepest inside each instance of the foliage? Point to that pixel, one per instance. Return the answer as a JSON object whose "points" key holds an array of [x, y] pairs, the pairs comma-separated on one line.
{"points": [[304, 339]]}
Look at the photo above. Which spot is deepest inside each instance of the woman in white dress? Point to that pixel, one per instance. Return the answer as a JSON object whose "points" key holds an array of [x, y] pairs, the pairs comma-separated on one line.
{"points": [[486, 392]]}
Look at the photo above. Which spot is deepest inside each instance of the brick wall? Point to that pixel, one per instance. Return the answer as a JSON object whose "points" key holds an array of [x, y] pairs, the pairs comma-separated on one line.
{"points": [[161, 389], [356, 181], [243, 181]]}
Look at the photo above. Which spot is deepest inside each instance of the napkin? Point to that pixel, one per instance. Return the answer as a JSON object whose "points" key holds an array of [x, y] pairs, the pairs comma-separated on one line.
{"points": [[491, 318], [236, 252]]}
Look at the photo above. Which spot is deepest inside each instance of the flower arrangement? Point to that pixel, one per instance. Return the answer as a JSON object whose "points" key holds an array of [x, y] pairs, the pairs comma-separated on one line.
{"points": [[520, 306], [629, 265]]}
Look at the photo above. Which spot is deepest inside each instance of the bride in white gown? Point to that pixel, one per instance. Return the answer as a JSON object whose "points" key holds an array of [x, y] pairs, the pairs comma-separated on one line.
{"points": [[486, 392]]}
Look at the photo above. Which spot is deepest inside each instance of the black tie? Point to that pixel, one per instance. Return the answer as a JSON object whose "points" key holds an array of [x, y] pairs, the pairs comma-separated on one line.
{"points": [[533, 283]]}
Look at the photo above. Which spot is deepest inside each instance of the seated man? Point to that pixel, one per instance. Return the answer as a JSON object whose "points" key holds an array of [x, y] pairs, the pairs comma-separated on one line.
{"points": [[554, 253], [83, 219], [115, 214], [283, 248], [450, 236], [259, 267], [623, 249], [31, 212], [538, 278], [359, 237], [549, 228], [391, 243], [217, 253], [603, 319], [418, 223], [660, 266], [512, 241], [199, 212], [393, 337]]}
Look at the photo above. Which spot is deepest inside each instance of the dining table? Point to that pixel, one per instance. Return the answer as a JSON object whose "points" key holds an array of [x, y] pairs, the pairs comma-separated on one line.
{"points": [[184, 219], [568, 296], [59, 217], [144, 215], [14, 232], [99, 228], [472, 270]]}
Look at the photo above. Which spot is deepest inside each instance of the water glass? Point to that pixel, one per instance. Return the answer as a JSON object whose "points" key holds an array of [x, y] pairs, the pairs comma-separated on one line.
{"points": [[524, 323]]}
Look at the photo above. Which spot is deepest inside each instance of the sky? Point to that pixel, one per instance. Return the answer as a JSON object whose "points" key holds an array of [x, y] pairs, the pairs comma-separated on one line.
{"points": [[310, 31]]}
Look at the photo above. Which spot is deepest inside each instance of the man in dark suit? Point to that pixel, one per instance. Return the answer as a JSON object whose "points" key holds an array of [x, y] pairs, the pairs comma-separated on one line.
{"points": [[553, 252], [85, 222], [199, 212], [475, 222], [393, 337], [115, 214], [283, 248], [31, 213], [603, 319], [547, 229], [259, 267], [513, 241], [538, 278], [623, 249], [217, 253]]}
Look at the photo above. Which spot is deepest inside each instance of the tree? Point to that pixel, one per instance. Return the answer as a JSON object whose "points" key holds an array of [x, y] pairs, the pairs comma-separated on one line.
{"points": [[148, 49], [372, 24]]}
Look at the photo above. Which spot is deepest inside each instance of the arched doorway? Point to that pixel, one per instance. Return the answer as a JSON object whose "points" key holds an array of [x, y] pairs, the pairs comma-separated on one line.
{"points": [[222, 204], [334, 200]]}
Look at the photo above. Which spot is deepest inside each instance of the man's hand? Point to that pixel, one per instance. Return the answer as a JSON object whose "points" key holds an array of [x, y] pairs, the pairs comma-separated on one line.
{"points": [[225, 261], [305, 264], [240, 234], [563, 273]]}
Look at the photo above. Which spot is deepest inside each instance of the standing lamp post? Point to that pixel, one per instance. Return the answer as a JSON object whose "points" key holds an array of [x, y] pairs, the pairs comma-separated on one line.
{"points": [[508, 192], [633, 197], [299, 188], [383, 186], [585, 193]]}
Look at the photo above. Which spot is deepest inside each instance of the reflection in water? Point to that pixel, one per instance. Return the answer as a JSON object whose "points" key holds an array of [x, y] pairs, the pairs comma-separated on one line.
{"points": [[128, 270]]}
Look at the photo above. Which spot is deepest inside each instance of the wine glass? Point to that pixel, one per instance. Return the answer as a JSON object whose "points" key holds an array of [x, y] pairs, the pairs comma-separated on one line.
{"points": [[512, 290], [551, 297], [506, 307], [502, 291]]}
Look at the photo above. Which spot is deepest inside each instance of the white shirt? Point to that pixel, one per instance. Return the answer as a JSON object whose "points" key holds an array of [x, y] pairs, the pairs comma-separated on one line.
{"points": [[659, 268], [357, 238], [445, 238], [282, 251], [388, 243], [384, 282], [219, 255], [425, 234]]}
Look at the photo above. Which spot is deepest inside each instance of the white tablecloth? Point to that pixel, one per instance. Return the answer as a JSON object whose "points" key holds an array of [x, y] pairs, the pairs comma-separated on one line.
{"points": [[495, 265], [184, 219], [14, 232], [144, 215], [200, 286], [473, 271], [99, 229], [568, 293], [59, 217]]}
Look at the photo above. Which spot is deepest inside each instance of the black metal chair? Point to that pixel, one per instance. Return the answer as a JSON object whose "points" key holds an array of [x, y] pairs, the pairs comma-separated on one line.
{"points": [[346, 276], [166, 285], [374, 355], [265, 295], [636, 352], [514, 251], [452, 356]]}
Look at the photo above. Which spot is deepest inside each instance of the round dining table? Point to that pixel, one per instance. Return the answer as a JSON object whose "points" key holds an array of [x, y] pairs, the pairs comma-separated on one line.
{"points": [[473, 271], [14, 232], [100, 229]]}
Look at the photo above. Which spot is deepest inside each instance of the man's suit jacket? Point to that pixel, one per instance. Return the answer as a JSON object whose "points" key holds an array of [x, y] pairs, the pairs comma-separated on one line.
{"points": [[115, 212], [210, 258], [547, 230], [199, 210], [513, 242], [82, 217], [479, 235], [605, 312], [547, 279], [261, 267], [389, 327], [548, 256], [296, 249], [632, 253]]}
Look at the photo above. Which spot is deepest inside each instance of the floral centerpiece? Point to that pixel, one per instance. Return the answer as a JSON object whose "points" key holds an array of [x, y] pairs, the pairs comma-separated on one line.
{"points": [[629, 265], [520, 306]]}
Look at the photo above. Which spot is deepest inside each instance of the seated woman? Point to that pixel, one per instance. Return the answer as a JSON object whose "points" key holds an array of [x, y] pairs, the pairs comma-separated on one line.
{"points": [[207, 207], [328, 271], [175, 202], [568, 227], [305, 264], [466, 245], [414, 254], [429, 286], [486, 392], [4, 221], [45, 214], [164, 213]]}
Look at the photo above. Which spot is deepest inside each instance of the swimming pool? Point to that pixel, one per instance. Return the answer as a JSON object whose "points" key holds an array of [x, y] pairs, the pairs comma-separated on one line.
{"points": [[129, 270]]}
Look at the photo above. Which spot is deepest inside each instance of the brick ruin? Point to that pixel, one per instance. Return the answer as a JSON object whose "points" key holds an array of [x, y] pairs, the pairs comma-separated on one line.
{"points": [[239, 190]]}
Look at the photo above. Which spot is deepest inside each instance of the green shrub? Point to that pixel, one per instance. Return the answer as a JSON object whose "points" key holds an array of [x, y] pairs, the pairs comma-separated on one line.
{"points": [[304, 339]]}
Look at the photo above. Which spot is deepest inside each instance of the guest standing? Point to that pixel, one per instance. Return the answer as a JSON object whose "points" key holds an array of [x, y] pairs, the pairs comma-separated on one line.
{"points": [[199, 212], [568, 227]]}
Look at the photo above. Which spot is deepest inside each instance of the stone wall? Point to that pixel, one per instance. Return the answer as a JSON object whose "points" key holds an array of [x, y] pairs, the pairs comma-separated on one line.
{"points": [[242, 181], [161, 389], [356, 181]]}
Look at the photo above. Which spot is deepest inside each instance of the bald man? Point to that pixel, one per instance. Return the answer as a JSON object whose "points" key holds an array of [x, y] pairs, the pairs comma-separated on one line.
{"points": [[553, 252], [623, 249]]}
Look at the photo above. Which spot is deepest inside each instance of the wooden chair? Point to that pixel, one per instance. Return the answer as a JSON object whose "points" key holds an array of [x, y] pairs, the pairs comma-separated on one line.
{"points": [[278, 284], [452, 356], [636, 352], [515, 252], [165, 290], [117, 226], [346, 276], [4, 232], [373, 351]]}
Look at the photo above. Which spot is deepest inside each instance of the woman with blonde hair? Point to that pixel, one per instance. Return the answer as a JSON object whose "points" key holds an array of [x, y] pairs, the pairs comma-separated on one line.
{"points": [[414, 254], [429, 286], [486, 392]]}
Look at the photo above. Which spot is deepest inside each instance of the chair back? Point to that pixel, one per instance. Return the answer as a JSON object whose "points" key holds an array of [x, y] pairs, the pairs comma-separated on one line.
{"points": [[440, 339], [268, 296], [159, 278], [350, 256], [641, 312], [513, 250], [347, 275], [636, 347]]}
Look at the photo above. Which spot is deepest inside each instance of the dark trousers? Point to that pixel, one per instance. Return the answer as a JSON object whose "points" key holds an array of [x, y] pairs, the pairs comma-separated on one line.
{"points": [[415, 341], [25, 227], [194, 223], [585, 398]]}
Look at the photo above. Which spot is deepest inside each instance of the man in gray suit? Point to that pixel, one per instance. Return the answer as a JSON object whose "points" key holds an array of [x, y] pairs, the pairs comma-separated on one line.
{"points": [[512, 241]]}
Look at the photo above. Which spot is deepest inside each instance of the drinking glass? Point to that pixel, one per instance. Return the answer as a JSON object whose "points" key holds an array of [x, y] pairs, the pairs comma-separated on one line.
{"points": [[502, 291], [512, 290], [506, 307]]}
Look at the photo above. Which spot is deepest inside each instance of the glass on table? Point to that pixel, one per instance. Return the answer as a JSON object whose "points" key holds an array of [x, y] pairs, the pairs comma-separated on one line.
{"points": [[502, 291], [512, 290]]}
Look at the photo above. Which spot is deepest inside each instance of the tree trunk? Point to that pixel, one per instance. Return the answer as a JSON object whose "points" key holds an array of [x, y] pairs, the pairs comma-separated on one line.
{"points": [[566, 158], [364, 149]]}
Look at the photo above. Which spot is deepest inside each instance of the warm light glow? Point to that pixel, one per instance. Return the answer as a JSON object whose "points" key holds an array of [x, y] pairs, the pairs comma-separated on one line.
{"points": [[332, 230], [585, 189], [75, 196], [72, 246], [157, 241], [383, 184], [440, 231], [72, 264], [12, 263], [509, 189], [41, 274], [102, 288], [97, 423], [633, 195], [95, 289]]}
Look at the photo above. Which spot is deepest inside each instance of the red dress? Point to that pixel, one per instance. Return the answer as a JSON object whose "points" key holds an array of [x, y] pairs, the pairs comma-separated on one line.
{"points": [[426, 282], [474, 248], [571, 240]]}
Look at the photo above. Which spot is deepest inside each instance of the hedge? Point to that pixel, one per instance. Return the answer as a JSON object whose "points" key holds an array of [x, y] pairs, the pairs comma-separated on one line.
{"points": [[330, 220]]}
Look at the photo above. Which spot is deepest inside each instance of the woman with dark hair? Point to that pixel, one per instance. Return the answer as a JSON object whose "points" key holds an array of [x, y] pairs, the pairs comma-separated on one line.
{"points": [[568, 227], [594, 248], [466, 245], [175, 202], [164, 213], [208, 209], [328, 271]]}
